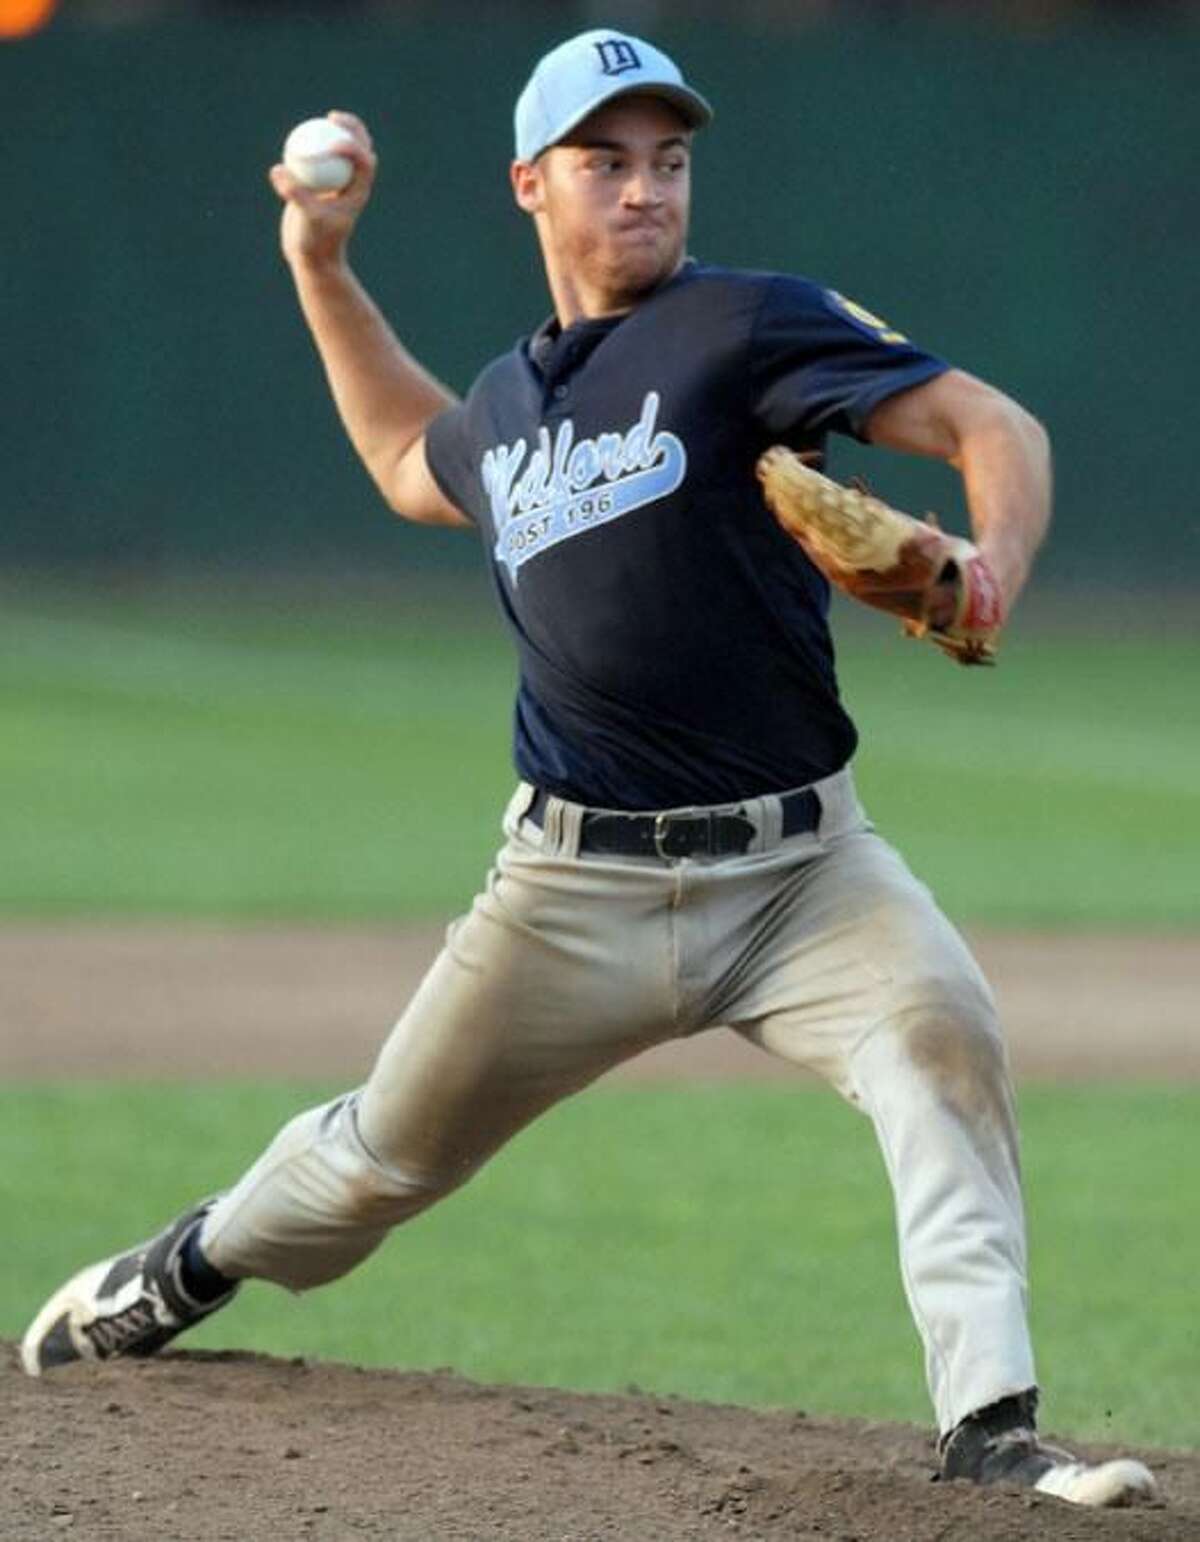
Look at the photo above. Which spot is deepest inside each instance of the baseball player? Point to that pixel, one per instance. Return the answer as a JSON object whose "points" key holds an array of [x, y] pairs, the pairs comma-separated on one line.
{"points": [[685, 846]]}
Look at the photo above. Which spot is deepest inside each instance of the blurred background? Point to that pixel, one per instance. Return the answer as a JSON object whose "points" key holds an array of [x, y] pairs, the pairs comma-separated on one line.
{"points": [[1013, 184]]}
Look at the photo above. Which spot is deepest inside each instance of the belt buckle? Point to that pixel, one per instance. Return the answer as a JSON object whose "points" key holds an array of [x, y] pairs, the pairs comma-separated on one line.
{"points": [[706, 833], [703, 833]]}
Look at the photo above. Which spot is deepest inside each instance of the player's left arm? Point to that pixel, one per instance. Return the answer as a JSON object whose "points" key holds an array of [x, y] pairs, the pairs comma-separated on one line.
{"points": [[1001, 452]]}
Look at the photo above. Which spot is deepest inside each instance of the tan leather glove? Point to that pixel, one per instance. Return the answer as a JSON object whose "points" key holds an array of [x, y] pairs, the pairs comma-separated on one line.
{"points": [[887, 559]]}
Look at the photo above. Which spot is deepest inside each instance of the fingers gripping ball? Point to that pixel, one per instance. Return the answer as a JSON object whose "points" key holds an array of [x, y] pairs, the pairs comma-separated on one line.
{"points": [[312, 153], [886, 559]]}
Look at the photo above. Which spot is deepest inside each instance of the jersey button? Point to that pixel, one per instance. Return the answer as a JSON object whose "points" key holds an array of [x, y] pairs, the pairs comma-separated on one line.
{"points": [[559, 392]]}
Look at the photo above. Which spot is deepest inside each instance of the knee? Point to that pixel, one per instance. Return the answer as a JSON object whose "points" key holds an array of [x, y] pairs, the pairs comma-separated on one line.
{"points": [[367, 1192], [950, 1033]]}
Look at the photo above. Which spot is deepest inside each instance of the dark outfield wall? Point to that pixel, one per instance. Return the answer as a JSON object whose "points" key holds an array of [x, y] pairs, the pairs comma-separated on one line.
{"points": [[1025, 205]]}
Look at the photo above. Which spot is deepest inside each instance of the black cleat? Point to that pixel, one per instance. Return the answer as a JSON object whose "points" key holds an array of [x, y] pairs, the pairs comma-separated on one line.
{"points": [[999, 1444], [132, 1304]]}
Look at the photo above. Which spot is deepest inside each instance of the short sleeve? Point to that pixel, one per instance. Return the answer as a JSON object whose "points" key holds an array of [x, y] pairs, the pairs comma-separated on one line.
{"points": [[447, 454], [821, 363]]}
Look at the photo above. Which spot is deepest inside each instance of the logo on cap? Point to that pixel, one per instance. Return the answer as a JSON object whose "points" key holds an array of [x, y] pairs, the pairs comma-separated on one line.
{"points": [[617, 54]]}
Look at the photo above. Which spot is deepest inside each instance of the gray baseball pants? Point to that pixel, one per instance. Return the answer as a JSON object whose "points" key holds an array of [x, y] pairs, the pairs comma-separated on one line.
{"points": [[821, 947]]}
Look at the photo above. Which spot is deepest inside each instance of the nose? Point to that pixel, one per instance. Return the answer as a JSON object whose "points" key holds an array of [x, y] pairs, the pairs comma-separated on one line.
{"points": [[641, 190]]}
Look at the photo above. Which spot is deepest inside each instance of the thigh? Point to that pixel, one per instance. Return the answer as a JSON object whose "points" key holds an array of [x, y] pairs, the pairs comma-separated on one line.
{"points": [[558, 972], [855, 942]]}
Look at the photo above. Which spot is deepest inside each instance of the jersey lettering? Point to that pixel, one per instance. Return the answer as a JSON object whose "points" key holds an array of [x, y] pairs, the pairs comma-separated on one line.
{"points": [[566, 486]]}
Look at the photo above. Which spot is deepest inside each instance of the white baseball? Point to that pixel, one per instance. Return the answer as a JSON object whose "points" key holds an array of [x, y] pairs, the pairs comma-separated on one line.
{"points": [[311, 154]]}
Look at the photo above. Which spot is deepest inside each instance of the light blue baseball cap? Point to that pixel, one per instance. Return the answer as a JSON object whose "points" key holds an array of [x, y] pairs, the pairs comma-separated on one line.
{"points": [[586, 71]]}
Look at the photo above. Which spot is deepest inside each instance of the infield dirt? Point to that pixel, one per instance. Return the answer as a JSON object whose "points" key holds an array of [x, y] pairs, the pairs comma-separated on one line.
{"points": [[196, 1446], [149, 999]]}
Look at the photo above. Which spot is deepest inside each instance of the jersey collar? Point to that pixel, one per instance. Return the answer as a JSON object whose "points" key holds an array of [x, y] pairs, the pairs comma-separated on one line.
{"points": [[555, 352]]}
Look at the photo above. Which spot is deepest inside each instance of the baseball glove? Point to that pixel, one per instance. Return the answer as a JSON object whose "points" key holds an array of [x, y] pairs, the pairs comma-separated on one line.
{"points": [[887, 559]]}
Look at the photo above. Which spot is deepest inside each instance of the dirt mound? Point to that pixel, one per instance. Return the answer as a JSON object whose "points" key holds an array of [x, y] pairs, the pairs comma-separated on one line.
{"points": [[199, 1446]]}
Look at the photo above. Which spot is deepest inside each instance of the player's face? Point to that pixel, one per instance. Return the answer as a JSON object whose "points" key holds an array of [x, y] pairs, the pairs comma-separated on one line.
{"points": [[612, 202]]}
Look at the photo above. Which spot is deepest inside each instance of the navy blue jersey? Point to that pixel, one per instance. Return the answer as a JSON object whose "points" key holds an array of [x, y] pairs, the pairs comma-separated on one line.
{"points": [[673, 642]]}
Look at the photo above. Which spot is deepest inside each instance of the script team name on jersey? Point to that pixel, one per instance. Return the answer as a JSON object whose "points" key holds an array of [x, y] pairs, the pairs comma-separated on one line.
{"points": [[567, 486]]}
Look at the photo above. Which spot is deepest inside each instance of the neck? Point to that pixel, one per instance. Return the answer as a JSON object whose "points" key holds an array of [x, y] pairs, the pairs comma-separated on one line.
{"points": [[576, 300]]}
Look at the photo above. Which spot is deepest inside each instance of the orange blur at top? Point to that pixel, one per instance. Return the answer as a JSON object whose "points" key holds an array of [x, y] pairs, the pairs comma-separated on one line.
{"points": [[20, 17]]}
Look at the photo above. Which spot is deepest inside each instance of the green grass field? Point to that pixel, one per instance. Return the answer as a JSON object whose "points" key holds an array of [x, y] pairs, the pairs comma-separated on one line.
{"points": [[732, 1244], [172, 755], [340, 760]]}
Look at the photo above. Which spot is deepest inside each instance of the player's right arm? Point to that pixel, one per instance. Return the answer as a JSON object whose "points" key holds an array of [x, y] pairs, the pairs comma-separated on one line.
{"points": [[384, 397]]}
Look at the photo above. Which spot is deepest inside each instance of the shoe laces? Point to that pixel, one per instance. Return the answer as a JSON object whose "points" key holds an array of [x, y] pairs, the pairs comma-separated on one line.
{"points": [[117, 1332]]}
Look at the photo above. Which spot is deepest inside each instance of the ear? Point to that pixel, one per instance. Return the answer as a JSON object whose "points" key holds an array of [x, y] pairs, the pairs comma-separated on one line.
{"points": [[527, 183]]}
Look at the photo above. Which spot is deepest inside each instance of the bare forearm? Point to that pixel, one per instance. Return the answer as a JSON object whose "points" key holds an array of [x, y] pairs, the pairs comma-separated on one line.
{"points": [[1001, 452], [384, 397], [1004, 459]]}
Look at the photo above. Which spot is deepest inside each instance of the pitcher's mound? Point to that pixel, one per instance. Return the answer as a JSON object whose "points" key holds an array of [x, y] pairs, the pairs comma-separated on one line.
{"points": [[195, 1446]]}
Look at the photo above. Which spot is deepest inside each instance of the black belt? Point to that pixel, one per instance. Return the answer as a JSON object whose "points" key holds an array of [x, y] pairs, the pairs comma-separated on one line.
{"points": [[689, 833]]}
